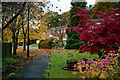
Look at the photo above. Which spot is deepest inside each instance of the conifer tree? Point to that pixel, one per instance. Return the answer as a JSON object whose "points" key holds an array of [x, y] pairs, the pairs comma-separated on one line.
{"points": [[73, 37]]}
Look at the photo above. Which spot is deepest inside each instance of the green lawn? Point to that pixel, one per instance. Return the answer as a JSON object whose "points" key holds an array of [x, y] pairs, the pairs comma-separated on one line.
{"points": [[34, 45], [58, 61]]}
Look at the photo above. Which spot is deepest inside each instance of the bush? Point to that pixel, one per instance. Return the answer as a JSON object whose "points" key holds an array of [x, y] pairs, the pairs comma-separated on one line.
{"points": [[100, 68], [40, 43], [73, 43], [6, 48], [46, 45], [32, 42], [20, 43], [9, 62], [12, 76], [53, 42], [51, 38]]}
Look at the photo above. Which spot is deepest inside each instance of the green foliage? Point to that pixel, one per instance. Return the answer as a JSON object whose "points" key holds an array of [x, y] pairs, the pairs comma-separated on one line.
{"points": [[75, 44], [20, 43], [102, 52], [72, 41], [12, 75], [32, 42], [33, 54], [51, 38], [8, 62], [55, 43], [6, 49], [73, 37], [53, 19], [34, 45], [58, 61], [73, 11], [41, 41]]}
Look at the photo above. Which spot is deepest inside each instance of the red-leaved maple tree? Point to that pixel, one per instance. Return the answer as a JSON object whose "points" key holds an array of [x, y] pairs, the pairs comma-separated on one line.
{"points": [[105, 35]]}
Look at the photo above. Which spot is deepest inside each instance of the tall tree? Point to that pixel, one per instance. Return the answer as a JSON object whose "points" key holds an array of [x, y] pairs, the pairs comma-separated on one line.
{"points": [[104, 7], [28, 33], [52, 19], [65, 18], [24, 33], [15, 26], [73, 37], [11, 12]]}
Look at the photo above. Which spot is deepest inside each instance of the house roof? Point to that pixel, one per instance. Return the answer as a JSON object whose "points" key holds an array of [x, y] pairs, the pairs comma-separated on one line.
{"points": [[57, 28]]}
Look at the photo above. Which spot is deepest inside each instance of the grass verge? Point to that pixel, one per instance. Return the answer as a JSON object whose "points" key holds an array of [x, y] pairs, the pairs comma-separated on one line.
{"points": [[34, 45]]}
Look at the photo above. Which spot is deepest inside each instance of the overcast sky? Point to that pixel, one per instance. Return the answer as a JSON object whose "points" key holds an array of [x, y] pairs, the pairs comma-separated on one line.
{"points": [[64, 5]]}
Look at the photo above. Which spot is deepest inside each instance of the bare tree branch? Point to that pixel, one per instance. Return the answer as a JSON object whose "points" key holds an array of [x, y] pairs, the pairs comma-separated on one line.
{"points": [[17, 14]]}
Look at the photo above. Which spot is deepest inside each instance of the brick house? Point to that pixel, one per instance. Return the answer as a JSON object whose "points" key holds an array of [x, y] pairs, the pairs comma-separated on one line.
{"points": [[58, 33]]}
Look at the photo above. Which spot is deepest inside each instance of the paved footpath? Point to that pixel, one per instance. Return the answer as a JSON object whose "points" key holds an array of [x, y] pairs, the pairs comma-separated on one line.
{"points": [[36, 68]]}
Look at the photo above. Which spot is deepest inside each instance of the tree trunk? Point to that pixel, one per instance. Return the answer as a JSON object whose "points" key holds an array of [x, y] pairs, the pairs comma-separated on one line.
{"points": [[28, 33], [100, 53], [2, 35], [14, 43], [24, 44], [24, 34], [17, 40]]}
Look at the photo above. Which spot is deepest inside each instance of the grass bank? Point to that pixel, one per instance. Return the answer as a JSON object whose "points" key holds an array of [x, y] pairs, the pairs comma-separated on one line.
{"points": [[34, 45]]}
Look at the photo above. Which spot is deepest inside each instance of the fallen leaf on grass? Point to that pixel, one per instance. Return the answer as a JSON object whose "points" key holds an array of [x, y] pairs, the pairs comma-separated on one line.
{"points": [[74, 72]]}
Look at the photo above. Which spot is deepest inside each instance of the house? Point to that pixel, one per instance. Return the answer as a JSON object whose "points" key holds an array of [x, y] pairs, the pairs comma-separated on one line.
{"points": [[58, 33]]}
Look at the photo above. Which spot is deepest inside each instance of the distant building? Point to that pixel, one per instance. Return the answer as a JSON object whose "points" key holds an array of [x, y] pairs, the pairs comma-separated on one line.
{"points": [[55, 32]]}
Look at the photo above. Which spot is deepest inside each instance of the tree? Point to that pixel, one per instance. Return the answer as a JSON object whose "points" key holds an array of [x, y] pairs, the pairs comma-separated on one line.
{"points": [[52, 19], [65, 18], [105, 36], [73, 37], [24, 33], [14, 27], [11, 7], [90, 10], [11, 12], [104, 7]]}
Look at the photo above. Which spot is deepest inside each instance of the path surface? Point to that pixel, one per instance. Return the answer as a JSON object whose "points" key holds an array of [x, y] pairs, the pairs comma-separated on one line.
{"points": [[36, 68]]}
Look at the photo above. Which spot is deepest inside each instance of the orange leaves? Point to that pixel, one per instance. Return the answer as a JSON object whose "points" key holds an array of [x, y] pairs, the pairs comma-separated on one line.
{"points": [[79, 68], [36, 51], [74, 72]]}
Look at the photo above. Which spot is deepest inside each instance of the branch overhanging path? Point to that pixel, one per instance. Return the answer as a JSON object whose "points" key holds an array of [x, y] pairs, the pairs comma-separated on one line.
{"points": [[17, 14]]}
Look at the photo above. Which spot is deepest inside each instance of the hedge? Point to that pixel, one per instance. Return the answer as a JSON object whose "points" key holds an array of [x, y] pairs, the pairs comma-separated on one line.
{"points": [[6, 48]]}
